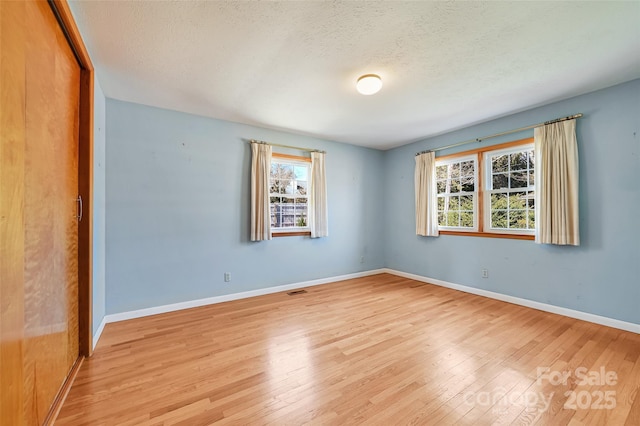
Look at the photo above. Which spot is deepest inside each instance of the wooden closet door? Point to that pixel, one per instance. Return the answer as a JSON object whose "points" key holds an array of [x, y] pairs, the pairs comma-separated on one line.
{"points": [[40, 80]]}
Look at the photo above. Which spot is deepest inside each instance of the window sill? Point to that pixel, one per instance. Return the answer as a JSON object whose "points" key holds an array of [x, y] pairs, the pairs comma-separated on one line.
{"points": [[490, 235], [291, 234]]}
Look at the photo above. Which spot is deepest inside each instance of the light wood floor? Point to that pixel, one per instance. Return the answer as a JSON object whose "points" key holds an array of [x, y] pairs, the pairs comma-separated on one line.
{"points": [[379, 350]]}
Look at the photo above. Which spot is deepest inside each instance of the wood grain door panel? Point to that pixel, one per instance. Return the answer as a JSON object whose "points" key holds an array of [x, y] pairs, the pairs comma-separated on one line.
{"points": [[39, 290]]}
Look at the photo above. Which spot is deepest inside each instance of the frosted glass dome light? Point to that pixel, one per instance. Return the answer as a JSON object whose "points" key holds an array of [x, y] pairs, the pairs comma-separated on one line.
{"points": [[369, 84]]}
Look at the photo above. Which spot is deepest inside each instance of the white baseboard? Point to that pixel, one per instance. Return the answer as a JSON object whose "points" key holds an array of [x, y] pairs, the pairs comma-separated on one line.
{"points": [[597, 319], [98, 333], [228, 297]]}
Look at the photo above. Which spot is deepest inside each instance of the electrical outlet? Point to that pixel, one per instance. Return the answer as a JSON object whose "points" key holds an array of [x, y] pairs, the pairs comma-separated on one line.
{"points": [[227, 277], [485, 273]]}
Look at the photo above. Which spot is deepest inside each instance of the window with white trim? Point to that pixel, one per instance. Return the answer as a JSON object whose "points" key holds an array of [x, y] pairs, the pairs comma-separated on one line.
{"points": [[488, 191], [456, 180], [288, 192], [509, 190]]}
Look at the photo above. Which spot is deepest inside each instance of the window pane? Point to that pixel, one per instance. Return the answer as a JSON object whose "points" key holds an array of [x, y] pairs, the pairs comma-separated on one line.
{"points": [[519, 180], [518, 200], [519, 161], [467, 168], [301, 188], [453, 219], [455, 186], [286, 171], [532, 219], [279, 187], [274, 200], [440, 203], [498, 201], [499, 219], [287, 211], [442, 219], [442, 187], [500, 164], [454, 203], [531, 160], [517, 219], [466, 202], [300, 172], [531, 178], [301, 212], [468, 184], [273, 187], [500, 181], [441, 172], [466, 219], [455, 170], [274, 170], [288, 189], [531, 200]]}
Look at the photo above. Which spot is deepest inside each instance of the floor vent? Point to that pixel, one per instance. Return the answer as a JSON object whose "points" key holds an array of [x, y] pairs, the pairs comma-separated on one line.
{"points": [[295, 292]]}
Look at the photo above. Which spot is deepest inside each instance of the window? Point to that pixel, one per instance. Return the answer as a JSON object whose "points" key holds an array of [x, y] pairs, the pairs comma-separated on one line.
{"points": [[488, 192], [509, 197], [456, 180], [288, 192]]}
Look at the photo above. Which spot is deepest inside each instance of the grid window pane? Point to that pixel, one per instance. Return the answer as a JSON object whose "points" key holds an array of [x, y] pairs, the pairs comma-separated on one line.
{"points": [[456, 184], [467, 169], [518, 180], [466, 202], [517, 219], [453, 218], [466, 219], [499, 219], [512, 201], [455, 170], [290, 182], [441, 172], [518, 161], [500, 164], [454, 203], [500, 181], [300, 172]]}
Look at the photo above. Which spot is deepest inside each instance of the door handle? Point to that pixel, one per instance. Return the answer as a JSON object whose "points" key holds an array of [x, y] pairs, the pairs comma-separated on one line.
{"points": [[79, 208]]}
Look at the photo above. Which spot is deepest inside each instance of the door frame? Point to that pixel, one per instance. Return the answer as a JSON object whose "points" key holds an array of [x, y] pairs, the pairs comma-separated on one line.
{"points": [[65, 19]]}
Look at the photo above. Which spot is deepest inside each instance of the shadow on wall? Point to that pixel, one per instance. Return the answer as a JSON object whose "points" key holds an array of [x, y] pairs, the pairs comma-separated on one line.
{"points": [[245, 216]]}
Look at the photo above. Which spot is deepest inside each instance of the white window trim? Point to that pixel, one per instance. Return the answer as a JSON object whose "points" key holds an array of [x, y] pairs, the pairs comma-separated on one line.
{"points": [[290, 161], [487, 191], [475, 193]]}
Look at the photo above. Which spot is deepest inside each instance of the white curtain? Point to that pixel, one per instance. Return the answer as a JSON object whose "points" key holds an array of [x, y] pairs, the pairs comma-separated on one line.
{"points": [[260, 170], [556, 156], [318, 212], [426, 195]]}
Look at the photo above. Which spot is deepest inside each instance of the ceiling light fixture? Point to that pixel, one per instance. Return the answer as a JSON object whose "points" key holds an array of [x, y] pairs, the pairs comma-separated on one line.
{"points": [[369, 84]]}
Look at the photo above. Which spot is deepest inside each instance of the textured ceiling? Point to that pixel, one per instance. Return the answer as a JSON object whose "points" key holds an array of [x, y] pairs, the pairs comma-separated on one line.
{"points": [[293, 65]]}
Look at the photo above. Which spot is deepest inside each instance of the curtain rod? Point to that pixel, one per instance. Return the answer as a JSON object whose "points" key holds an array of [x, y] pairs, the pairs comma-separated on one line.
{"points": [[287, 146], [478, 140]]}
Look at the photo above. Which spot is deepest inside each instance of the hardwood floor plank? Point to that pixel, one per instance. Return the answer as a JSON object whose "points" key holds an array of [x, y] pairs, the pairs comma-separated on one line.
{"points": [[378, 350]]}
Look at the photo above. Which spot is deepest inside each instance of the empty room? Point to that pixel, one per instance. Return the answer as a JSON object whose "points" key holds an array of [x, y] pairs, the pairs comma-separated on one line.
{"points": [[319, 212]]}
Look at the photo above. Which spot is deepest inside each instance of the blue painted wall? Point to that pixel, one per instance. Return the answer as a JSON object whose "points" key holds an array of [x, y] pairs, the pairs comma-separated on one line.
{"points": [[177, 194], [177, 210], [99, 188], [602, 276]]}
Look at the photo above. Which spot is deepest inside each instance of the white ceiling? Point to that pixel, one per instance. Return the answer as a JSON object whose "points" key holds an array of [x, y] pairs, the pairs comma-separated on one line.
{"points": [[293, 65]]}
